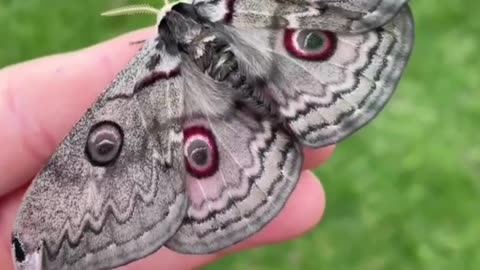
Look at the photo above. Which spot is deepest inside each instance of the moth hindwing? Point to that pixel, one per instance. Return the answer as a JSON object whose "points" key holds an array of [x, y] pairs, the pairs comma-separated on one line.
{"points": [[197, 144]]}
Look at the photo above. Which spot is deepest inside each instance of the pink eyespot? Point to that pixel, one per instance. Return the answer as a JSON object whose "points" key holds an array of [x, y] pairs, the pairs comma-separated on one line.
{"points": [[201, 152], [310, 44]]}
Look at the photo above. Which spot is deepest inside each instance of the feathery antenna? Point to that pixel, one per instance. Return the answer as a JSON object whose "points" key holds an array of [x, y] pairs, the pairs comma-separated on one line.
{"points": [[145, 9], [132, 9]]}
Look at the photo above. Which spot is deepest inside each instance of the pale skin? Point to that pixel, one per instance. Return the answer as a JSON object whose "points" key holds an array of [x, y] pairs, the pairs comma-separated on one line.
{"points": [[42, 99]]}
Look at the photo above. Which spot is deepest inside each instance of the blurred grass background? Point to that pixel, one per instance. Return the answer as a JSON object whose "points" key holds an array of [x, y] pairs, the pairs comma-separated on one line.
{"points": [[403, 193]]}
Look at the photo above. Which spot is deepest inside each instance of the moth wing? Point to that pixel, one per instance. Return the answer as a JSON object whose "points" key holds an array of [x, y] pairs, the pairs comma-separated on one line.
{"points": [[327, 92], [81, 215], [353, 16], [252, 166]]}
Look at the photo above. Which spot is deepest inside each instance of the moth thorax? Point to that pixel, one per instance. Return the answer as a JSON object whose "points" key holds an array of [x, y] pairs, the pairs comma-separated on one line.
{"points": [[217, 59]]}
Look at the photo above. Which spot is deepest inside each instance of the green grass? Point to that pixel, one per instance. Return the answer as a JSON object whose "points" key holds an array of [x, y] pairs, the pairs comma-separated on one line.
{"points": [[403, 193]]}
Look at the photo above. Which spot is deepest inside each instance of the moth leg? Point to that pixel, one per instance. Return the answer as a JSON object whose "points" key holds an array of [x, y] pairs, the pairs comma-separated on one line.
{"points": [[137, 42]]}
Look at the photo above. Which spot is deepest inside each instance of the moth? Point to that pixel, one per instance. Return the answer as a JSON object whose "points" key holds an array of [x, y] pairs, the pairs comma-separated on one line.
{"points": [[197, 144]]}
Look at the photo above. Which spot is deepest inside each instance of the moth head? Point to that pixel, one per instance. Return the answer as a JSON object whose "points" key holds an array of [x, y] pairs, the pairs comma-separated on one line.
{"points": [[181, 23], [27, 256]]}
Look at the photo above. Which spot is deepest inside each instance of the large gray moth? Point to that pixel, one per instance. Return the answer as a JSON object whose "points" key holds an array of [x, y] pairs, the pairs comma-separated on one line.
{"points": [[196, 145]]}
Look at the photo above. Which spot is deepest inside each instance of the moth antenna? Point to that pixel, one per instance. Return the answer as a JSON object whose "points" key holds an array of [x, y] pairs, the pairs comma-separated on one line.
{"points": [[145, 9], [131, 10]]}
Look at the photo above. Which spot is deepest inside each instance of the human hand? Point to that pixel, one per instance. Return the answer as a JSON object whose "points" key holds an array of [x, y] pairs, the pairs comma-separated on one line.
{"points": [[42, 99]]}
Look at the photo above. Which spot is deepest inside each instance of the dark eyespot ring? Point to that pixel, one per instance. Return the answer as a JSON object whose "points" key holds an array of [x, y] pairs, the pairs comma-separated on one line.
{"points": [[201, 152], [18, 250], [104, 143], [308, 44]]}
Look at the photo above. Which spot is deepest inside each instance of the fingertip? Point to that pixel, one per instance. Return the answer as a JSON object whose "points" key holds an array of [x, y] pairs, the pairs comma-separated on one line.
{"points": [[304, 210], [120, 48], [168, 259], [316, 157], [115, 54]]}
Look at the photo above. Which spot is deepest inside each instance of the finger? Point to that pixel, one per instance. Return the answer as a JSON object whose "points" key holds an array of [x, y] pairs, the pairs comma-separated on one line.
{"points": [[308, 197], [8, 209], [313, 158], [42, 99]]}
